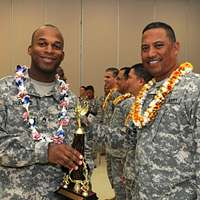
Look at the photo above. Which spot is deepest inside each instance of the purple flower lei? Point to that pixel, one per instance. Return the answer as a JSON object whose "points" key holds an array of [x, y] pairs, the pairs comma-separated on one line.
{"points": [[24, 98]]}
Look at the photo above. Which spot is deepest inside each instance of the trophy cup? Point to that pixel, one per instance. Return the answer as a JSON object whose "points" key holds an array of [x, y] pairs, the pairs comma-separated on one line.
{"points": [[76, 185]]}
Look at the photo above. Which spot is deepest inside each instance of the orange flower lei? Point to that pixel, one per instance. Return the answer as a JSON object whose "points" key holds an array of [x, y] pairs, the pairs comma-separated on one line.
{"points": [[121, 98], [149, 115], [107, 99]]}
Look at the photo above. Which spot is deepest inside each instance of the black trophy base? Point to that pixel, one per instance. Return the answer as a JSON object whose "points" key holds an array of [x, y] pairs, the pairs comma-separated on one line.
{"points": [[71, 195]]}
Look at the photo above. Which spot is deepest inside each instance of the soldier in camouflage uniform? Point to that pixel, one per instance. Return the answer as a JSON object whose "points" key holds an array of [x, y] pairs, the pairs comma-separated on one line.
{"points": [[100, 101], [30, 161], [138, 76], [92, 112], [108, 108], [117, 135], [92, 100], [117, 156], [82, 96], [168, 133], [99, 119]]}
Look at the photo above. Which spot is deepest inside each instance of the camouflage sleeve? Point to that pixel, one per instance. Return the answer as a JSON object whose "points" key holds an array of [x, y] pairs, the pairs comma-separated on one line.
{"points": [[114, 137], [88, 152], [196, 124], [100, 114], [95, 107], [117, 118], [17, 149]]}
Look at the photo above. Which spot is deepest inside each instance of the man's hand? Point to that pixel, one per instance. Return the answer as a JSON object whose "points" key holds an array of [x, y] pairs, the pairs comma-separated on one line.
{"points": [[63, 154]]}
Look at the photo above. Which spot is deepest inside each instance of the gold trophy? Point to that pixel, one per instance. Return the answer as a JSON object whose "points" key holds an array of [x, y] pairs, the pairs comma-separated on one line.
{"points": [[76, 185]]}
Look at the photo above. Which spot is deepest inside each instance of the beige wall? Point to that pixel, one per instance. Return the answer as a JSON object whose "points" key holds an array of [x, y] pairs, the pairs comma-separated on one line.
{"points": [[98, 33]]}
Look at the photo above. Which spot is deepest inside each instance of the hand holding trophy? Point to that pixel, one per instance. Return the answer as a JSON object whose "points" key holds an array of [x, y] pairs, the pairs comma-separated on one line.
{"points": [[76, 185]]}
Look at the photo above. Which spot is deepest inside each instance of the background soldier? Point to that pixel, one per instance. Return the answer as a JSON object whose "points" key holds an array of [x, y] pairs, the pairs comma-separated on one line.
{"points": [[117, 156], [107, 108], [138, 76], [118, 136]]}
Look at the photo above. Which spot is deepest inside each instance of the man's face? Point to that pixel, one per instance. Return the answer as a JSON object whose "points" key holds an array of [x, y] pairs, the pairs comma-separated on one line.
{"points": [[89, 94], [82, 92], [46, 50], [158, 53], [134, 83], [122, 83], [109, 80], [106, 90]]}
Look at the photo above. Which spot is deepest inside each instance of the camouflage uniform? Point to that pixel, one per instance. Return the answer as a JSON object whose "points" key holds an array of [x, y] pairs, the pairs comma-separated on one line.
{"points": [[92, 112], [93, 106], [168, 149], [104, 116], [118, 155], [117, 137], [99, 119], [24, 169], [81, 100], [129, 173], [108, 112], [129, 146]]}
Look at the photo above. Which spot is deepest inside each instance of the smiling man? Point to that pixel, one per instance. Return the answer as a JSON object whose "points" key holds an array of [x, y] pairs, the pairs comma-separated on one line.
{"points": [[37, 123], [167, 116]]}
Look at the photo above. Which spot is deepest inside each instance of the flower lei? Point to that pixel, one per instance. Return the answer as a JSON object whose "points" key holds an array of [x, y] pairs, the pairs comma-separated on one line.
{"points": [[150, 113], [107, 99], [24, 98], [121, 98]]}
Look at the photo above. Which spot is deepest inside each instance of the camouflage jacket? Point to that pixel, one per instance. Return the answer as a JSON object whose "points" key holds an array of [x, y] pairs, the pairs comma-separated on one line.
{"points": [[104, 114], [110, 108], [118, 135], [93, 106], [118, 119], [99, 116], [24, 169], [168, 149]]}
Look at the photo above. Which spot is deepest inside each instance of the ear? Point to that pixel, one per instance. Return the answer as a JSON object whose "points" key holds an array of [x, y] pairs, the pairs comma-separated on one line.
{"points": [[141, 81], [176, 48], [30, 50], [63, 55]]}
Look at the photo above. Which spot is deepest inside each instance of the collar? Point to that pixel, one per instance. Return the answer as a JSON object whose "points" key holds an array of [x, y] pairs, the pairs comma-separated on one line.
{"points": [[32, 91]]}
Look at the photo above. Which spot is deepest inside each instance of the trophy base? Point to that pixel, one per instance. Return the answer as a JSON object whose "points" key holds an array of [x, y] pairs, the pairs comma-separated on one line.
{"points": [[71, 195]]}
